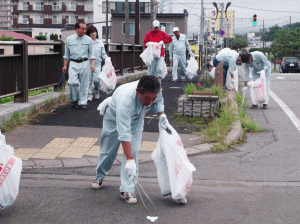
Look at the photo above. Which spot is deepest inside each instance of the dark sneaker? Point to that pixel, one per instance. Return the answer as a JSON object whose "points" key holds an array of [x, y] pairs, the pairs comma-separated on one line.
{"points": [[265, 106], [82, 107], [97, 184], [253, 106], [129, 197], [74, 103]]}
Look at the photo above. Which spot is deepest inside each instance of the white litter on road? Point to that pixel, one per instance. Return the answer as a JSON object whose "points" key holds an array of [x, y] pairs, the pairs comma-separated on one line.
{"points": [[152, 218], [175, 87], [295, 120], [279, 77]]}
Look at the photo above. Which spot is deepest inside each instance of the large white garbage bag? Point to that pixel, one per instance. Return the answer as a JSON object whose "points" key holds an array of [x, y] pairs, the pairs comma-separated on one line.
{"points": [[147, 55], [165, 70], [229, 85], [192, 68], [10, 172], [212, 72], [258, 89], [107, 76], [174, 170]]}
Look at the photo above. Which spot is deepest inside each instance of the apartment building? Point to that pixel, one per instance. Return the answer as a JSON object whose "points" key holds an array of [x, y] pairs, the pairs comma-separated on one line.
{"points": [[116, 7], [51, 13], [6, 15]]}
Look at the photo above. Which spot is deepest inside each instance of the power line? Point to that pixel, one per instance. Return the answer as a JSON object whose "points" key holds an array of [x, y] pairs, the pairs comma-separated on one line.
{"points": [[267, 10]]}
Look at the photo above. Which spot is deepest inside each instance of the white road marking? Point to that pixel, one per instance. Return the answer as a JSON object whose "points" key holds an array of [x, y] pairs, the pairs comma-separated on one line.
{"points": [[193, 138], [295, 120], [279, 77], [175, 87]]}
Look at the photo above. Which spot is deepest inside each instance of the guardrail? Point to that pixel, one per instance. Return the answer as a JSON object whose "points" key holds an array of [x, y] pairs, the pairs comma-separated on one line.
{"points": [[22, 71]]}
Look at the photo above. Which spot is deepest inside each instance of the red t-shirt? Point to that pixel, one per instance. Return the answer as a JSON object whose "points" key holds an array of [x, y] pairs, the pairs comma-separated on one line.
{"points": [[158, 36]]}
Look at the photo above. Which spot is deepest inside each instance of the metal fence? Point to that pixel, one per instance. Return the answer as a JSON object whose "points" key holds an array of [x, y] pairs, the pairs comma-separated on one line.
{"points": [[23, 71]]}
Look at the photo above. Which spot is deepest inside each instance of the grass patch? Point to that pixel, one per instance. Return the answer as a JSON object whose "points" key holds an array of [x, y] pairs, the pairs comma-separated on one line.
{"points": [[222, 147], [216, 90], [220, 126], [24, 118], [249, 125], [31, 93], [275, 71]]}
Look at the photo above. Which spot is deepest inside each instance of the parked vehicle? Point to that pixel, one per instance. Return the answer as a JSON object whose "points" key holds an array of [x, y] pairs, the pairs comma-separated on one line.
{"points": [[290, 64]]}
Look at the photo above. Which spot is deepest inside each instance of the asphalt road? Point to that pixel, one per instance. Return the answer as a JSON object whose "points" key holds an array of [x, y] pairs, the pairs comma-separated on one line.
{"points": [[257, 182]]}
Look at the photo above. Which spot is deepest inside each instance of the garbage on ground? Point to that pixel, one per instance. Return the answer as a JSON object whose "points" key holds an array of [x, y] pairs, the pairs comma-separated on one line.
{"points": [[192, 68], [258, 89], [107, 76], [174, 170], [152, 218], [10, 172]]}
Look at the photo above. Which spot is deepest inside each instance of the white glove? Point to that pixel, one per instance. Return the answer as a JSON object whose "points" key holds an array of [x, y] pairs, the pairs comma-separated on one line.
{"points": [[171, 58], [147, 44], [191, 54], [130, 168], [163, 121], [245, 90], [161, 42]]}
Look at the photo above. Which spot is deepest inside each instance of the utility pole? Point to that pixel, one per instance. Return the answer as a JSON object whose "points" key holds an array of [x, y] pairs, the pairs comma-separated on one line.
{"points": [[153, 13], [126, 22], [200, 38], [137, 23], [263, 36], [221, 23], [106, 37], [290, 20]]}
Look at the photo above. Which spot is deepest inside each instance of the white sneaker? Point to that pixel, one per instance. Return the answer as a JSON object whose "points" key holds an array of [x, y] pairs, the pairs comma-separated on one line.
{"points": [[97, 96], [129, 197], [90, 98], [97, 184]]}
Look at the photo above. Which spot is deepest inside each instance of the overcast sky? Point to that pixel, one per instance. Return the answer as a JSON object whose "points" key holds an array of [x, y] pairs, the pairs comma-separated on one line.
{"points": [[271, 11]]}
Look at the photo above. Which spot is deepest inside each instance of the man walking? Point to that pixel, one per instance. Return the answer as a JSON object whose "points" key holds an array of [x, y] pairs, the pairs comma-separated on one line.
{"points": [[229, 58], [123, 122], [158, 36], [258, 61], [78, 50], [177, 50]]}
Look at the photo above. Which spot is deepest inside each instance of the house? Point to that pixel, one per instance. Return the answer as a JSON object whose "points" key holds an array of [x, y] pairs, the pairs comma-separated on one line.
{"points": [[167, 22]]}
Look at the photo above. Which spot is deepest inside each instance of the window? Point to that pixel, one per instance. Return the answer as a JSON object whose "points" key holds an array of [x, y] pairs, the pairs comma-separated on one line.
{"points": [[111, 6], [120, 7], [55, 6], [89, 7], [54, 19], [89, 19], [131, 7], [104, 32], [25, 5], [131, 28], [145, 7], [169, 27], [39, 6], [67, 19], [1, 51], [26, 19], [39, 19]]}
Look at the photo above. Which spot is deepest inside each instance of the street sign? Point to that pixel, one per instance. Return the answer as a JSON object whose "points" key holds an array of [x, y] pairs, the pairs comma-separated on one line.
{"points": [[217, 32], [222, 32]]}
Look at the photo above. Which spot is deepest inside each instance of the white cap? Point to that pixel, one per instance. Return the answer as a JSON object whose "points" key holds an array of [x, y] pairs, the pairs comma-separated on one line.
{"points": [[175, 29], [155, 23]]}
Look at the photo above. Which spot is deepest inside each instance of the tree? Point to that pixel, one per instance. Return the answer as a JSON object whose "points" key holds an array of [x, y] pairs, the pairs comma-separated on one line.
{"points": [[287, 43], [238, 42], [271, 35], [5, 38], [40, 37]]}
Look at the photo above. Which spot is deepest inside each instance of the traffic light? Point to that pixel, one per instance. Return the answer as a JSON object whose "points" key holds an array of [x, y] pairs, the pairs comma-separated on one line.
{"points": [[254, 22]]}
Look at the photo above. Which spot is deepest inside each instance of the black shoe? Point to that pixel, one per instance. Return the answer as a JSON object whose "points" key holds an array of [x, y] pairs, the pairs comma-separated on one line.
{"points": [[82, 107], [74, 103], [253, 106], [265, 106]]}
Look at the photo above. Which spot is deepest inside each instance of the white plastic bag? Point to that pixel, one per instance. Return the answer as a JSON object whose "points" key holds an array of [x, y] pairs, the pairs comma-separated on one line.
{"points": [[174, 170], [156, 49], [10, 172], [147, 55], [107, 76], [212, 72], [192, 68], [258, 89], [236, 80], [165, 69]]}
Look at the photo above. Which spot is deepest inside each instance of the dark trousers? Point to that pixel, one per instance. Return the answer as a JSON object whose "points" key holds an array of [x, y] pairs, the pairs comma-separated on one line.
{"points": [[225, 69]]}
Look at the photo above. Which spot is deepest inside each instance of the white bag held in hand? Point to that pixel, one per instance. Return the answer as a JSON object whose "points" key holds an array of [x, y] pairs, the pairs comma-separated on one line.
{"points": [[192, 68], [174, 170], [235, 79], [10, 172], [156, 49], [258, 89], [108, 78], [212, 72], [147, 55]]}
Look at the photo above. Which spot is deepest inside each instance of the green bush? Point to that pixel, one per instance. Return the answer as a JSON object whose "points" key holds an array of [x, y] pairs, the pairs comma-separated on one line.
{"points": [[53, 37], [5, 38], [189, 88], [40, 37]]}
